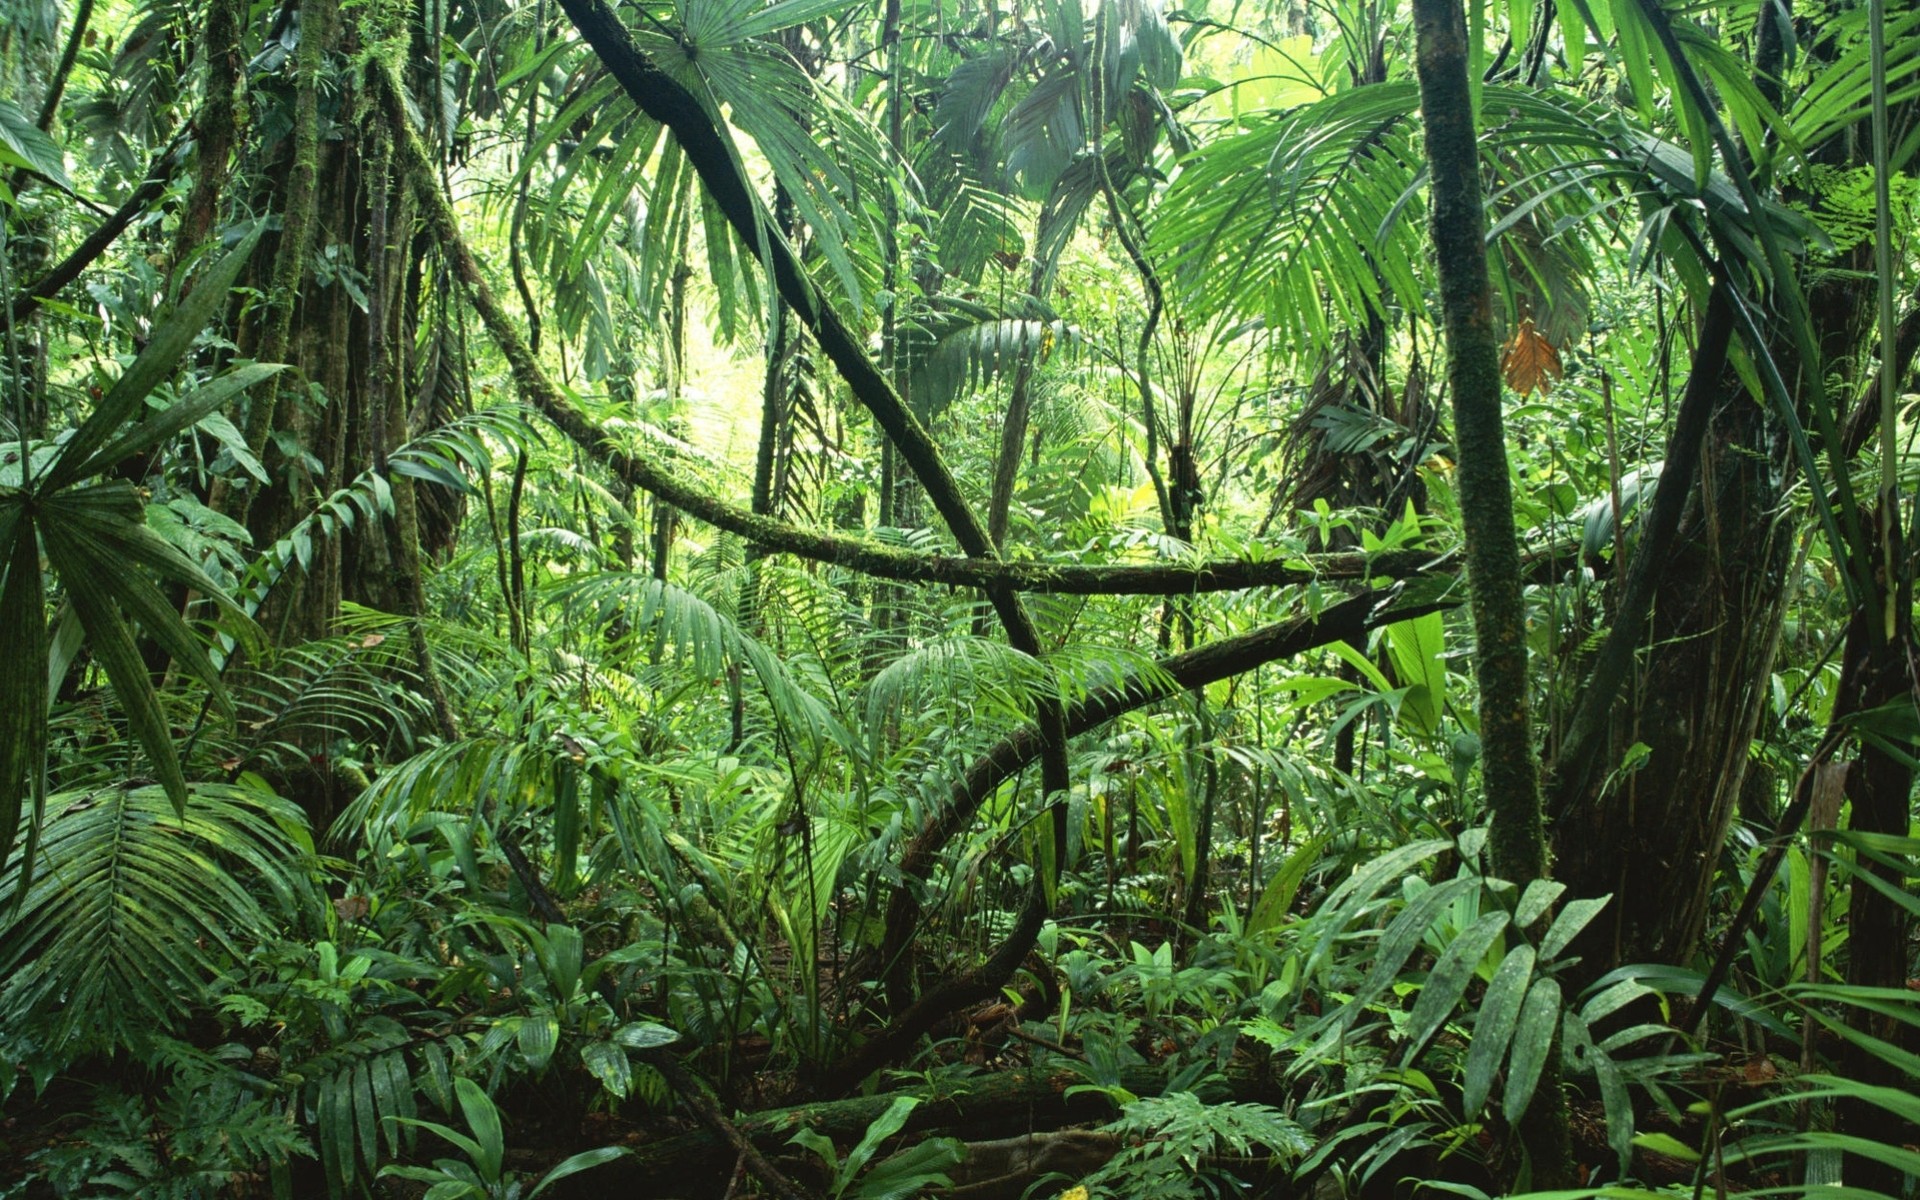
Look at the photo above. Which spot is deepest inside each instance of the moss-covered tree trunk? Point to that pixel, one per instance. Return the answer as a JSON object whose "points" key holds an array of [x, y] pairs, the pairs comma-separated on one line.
{"points": [[1486, 493], [1508, 768]]}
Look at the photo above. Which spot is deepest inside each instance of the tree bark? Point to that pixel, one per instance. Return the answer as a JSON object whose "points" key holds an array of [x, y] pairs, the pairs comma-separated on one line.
{"points": [[296, 231], [214, 127]]}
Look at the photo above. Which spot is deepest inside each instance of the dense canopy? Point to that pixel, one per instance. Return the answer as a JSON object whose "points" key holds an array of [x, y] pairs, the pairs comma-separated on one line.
{"points": [[968, 598]]}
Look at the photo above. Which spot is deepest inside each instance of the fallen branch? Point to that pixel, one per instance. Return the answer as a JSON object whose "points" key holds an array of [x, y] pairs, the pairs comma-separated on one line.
{"points": [[1001, 1104], [694, 1092]]}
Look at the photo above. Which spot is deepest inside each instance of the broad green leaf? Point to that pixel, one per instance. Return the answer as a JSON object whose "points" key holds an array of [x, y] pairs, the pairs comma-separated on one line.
{"points": [[23, 144], [1493, 1029], [23, 689], [1342, 905], [1583, 1056], [395, 1089], [465, 1144], [583, 1161], [446, 477], [366, 1112], [1615, 1100], [1532, 1041], [645, 1035], [913, 1171], [489, 1146], [609, 1064], [95, 600], [820, 1144], [181, 414], [1666, 1144], [775, 17], [336, 1127], [1447, 982], [136, 595], [883, 1127], [1285, 884], [1415, 647], [1403, 937], [1568, 924], [1536, 900], [1612, 998]]}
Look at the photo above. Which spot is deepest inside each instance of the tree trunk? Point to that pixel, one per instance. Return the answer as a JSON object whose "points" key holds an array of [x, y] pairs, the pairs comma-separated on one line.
{"points": [[1651, 839], [1515, 839]]}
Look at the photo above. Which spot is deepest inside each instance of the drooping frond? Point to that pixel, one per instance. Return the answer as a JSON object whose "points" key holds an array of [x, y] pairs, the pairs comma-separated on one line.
{"points": [[967, 679], [132, 909], [1292, 218], [1309, 218], [969, 351]]}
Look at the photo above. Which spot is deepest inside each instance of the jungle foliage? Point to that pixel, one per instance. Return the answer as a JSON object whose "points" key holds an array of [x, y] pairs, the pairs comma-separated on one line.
{"points": [[1057, 598]]}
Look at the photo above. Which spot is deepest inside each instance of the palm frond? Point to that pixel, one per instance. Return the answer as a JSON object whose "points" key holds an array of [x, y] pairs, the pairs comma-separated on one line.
{"points": [[969, 352], [133, 909]]}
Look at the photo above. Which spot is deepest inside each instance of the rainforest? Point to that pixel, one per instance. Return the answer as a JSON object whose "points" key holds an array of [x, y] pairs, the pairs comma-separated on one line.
{"points": [[979, 599]]}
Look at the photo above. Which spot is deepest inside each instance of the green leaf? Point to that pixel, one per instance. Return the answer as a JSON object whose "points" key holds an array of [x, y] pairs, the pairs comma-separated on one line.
{"points": [[787, 13], [94, 599], [913, 1171], [1536, 900], [446, 477], [23, 144], [366, 1112], [1405, 934], [1448, 981], [1415, 648], [821, 1145], [117, 930], [23, 689], [1615, 1100], [586, 1160], [609, 1064], [645, 1035], [1666, 1144], [132, 592], [488, 1149], [1343, 903], [180, 415], [883, 1127], [1532, 1040], [1568, 924], [1493, 1029], [471, 1148], [1280, 891]]}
